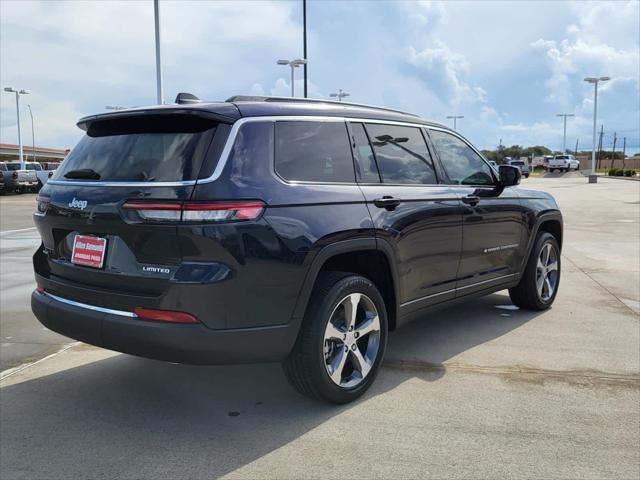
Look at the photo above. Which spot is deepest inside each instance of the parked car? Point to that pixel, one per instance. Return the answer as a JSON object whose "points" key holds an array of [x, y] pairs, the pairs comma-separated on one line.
{"points": [[3, 172], [563, 163], [17, 179], [522, 165], [43, 172], [269, 229]]}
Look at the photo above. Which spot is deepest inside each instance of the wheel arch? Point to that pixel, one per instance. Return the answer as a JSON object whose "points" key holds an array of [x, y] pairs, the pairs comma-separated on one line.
{"points": [[368, 257], [549, 221]]}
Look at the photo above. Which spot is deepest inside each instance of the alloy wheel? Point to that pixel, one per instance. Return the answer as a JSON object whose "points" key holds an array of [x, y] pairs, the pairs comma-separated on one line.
{"points": [[547, 272], [352, 340]]}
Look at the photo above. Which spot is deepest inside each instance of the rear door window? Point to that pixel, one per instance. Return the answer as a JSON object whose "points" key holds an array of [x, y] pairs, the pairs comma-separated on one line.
{"points": [[401, 154], [366, 166], [313, 152], [142, 149]]}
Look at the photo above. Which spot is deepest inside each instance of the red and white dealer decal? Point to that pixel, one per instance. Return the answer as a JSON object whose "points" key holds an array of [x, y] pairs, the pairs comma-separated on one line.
{"points": [[88, 251]]}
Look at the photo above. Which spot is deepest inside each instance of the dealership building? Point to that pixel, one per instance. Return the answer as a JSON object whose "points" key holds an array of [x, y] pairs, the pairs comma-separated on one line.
{"points": [[9, 153]]}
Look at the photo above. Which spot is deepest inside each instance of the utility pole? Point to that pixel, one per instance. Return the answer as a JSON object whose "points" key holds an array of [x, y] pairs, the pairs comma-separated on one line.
{"points": [[33, 134], [613, 154], [156, 17], [304, 42], [340, 95], [564, 137], [624, 150], [575, 152], [600, 144]]}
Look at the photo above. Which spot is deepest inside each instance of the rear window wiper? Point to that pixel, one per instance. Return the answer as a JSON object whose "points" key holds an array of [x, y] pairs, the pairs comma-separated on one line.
{"points": [[83, 174]]}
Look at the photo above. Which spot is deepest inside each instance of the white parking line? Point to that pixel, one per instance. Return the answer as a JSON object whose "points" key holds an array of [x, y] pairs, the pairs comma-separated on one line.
{"points": [[12, 371], [18, 230]]}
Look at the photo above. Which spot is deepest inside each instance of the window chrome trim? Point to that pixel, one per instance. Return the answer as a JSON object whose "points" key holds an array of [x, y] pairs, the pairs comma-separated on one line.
{"points": [[86, 306], [226, 151]]}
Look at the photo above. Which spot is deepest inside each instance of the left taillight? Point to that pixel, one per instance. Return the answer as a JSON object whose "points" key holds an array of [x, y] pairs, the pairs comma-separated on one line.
{"points": [[43, 204], [197, 211]]}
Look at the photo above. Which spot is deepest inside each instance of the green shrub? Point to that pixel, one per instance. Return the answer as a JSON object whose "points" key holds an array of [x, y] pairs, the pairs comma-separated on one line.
{"points": [[616, 172], [629, 173]]}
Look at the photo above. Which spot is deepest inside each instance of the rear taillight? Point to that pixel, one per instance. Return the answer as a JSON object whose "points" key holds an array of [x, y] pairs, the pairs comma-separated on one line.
{"points": [[50, 174], [1, 175], [164, 315], [14, 175], [197, 211], [43, 204]]}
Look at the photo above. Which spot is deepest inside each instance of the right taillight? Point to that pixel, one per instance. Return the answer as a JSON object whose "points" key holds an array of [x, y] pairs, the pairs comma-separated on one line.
{"points": [[197, 211], [14, 175]]}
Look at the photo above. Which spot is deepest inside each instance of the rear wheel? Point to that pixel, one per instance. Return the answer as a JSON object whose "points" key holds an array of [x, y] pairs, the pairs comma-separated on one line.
{"points": [[342, 339], [540, 281]]}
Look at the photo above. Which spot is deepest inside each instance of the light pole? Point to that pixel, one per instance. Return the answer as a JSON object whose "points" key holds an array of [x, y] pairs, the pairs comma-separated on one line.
{"points": [[293, 64], [455, 118], [33, 134], [564, 136], [18, 93], [156, 17], [592, 176], [341, 94]]}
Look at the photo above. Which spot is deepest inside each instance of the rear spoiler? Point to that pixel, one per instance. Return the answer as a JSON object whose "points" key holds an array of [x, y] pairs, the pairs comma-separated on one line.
{"points": [[227, 113]]}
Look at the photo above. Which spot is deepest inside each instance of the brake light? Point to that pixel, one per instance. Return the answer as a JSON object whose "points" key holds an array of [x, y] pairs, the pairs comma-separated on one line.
{"points": [[14, 175], [50, 174], [43, 204], [164, 315], [197, 211]]}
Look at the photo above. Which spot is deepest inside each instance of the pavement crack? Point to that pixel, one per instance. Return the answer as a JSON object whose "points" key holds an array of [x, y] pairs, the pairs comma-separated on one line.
{"points": [[521, 372]]}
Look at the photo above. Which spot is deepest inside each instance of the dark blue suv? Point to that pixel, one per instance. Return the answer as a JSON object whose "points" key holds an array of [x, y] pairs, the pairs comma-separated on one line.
{"points": [[270, 229]]}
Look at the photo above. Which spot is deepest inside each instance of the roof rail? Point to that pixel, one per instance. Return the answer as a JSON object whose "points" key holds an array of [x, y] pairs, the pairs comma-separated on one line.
{"points": [[257, 98]]}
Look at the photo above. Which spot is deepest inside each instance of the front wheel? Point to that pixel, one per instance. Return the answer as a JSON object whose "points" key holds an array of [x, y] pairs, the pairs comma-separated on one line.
{"points": [[342, 339], [539, 284]]}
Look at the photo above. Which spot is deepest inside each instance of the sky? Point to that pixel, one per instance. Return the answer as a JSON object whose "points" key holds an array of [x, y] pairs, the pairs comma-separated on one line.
{"points": [[509, 67]]}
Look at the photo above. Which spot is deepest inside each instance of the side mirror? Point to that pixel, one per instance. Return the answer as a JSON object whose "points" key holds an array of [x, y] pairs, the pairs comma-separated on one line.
{"points": [[509, 175]]}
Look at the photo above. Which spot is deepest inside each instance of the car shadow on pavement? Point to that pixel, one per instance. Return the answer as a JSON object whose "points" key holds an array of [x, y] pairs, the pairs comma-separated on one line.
{"points": [[136, 418]]}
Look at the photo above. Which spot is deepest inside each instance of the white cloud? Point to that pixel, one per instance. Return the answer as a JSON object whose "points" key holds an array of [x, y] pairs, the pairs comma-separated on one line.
{"points": [[445, 72]]}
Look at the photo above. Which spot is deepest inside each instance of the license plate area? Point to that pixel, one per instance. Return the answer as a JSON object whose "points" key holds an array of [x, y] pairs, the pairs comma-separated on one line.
{"points": [[88, 251]]}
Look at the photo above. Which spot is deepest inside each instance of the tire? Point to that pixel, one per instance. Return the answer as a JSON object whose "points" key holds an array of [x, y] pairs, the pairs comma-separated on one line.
{"points": [[527, 294], [307, 366]]}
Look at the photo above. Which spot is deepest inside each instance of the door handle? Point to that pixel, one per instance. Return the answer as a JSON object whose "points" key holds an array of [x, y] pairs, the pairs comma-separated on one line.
{"points": [[471, 200], [390, 203]]}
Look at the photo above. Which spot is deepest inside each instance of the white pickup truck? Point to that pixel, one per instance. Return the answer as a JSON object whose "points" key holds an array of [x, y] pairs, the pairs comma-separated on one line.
{"points": [[564, 163], [44, 171]]}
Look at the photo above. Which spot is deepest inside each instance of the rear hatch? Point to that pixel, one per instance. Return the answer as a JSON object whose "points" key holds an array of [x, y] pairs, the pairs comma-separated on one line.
{"points": [[96, 215]]}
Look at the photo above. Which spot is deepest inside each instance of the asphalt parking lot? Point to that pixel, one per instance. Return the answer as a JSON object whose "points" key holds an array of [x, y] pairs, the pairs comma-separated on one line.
{"points": [[479, 391]]}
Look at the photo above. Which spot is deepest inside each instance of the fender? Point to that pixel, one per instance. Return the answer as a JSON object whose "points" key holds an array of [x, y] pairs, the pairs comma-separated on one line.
{"points": [[541, 218], [337, 248]]}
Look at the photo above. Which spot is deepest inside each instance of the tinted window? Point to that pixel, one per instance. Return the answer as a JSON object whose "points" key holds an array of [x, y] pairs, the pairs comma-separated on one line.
{"points": [[462, 164], [33, 166], [314, 152], [13, 166], [401, 154], [365, 161], [152, 149]]}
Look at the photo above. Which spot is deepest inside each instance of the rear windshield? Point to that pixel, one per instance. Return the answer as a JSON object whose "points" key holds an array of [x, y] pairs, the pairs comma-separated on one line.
{"points": [[13, 166], [517, 163], [141, 148], [33, 166], [562, 157]]}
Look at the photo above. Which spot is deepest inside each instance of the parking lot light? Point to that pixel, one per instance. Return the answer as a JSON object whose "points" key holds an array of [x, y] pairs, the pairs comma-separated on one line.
{"points": [[340, 95], [595, 80], [293, 64], [455, 118], [18, 93]]}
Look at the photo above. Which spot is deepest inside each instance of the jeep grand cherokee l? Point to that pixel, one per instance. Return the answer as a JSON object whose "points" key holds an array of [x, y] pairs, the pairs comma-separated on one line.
{"points": [[266, 229]]}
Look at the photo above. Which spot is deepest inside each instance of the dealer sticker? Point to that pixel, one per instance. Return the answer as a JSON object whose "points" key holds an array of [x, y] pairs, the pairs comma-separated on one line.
{"points": [[88, 251]]}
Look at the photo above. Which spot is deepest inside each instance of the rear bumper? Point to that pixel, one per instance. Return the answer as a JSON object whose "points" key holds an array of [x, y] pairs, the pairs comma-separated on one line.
{"points": [[194, 344]]}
